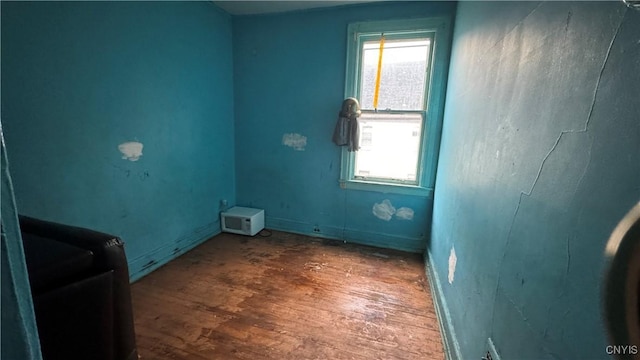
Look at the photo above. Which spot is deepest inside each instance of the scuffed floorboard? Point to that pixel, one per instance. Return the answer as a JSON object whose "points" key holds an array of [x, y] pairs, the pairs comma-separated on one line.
{"points": [[286, 297]]}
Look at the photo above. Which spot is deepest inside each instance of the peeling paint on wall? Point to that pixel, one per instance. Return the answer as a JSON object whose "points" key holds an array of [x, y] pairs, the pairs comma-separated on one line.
{"points": [[404, 213], [453, 260], [131, 150], [384, 210], [295, 141]]}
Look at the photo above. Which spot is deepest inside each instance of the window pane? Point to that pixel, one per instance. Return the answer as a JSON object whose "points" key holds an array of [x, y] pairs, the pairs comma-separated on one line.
{"points": [[389, 146], [403, 76]]}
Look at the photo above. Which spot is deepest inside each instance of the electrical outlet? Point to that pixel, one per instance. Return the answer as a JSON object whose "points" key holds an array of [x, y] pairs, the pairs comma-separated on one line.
{"points": [[316, 229]]}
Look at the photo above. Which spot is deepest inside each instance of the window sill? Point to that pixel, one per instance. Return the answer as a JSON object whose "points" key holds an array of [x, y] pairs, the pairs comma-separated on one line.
{"points": [[387, 188]]}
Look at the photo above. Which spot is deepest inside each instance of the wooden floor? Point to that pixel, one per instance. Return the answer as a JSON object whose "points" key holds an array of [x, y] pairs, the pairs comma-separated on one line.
{"points": [[286, 297]]}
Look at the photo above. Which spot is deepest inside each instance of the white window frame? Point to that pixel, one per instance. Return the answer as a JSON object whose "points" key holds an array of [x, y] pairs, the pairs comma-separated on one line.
{"points": [[438, 31]]}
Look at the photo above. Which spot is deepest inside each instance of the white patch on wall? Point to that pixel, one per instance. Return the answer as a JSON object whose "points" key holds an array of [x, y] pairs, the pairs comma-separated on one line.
{"points": [[453, 260], [384, 210], [295, 141], [404, 213], [131, 150]]}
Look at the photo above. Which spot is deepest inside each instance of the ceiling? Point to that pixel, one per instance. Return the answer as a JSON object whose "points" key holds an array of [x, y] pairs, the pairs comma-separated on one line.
{"points": [[241, 7]]}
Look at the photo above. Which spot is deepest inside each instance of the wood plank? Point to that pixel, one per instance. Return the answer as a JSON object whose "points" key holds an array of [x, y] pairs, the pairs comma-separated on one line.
{"points": [[286, 297]]}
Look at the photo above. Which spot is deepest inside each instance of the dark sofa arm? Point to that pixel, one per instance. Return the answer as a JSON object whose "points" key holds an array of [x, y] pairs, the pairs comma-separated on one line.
{"points": [[108, 249], [109, 255]]}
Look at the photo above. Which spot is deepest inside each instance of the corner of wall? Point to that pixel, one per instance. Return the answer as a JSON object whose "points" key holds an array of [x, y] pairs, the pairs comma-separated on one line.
{"points": [[449, 339], [158, 257], [18, 315]]}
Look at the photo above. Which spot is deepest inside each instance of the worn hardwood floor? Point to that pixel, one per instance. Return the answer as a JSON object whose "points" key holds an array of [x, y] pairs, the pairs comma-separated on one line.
{"points": [[286, 297]]}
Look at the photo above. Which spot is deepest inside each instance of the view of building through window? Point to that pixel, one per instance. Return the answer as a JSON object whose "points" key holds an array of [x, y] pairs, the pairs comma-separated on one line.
{"points": [[403, 75], [390, 138], [389, 146]]}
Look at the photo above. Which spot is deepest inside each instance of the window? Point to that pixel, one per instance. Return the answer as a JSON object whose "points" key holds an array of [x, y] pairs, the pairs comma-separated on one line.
{"points": [[396, 69]]}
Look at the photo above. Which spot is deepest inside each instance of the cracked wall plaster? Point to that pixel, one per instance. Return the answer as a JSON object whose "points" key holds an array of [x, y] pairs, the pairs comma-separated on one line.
{"points": [[453, 260], [131, 150], [404, 213], [296, 141], [384, 210]]}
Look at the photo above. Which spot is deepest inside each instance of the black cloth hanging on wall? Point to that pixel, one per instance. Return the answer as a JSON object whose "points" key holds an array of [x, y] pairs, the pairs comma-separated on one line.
{"points": [[347, 132]]}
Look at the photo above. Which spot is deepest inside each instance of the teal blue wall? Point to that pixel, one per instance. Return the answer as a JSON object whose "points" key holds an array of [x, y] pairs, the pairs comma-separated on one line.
{"points": [[540, 159], [80, 78], [18, 331], [540, 153], [289, 75]]}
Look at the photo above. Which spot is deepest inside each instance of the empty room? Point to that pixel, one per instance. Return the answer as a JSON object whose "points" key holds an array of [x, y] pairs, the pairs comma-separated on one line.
{"points": [[320, 180]]}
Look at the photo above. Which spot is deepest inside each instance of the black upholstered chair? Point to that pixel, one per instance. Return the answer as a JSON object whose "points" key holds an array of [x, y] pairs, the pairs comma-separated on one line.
{"points": [[80, 286]]}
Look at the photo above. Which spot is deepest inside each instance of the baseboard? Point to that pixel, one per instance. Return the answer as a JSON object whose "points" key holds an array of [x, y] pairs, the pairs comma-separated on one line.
{"points": [[147, 263], [387, 241], [450, 341]]}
